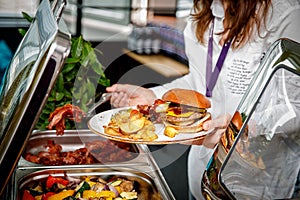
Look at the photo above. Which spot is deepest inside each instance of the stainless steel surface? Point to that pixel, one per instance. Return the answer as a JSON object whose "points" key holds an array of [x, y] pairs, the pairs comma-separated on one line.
{"points": [[58, 7], [143, 162], [145, 185], [284, 53], [264, 161], [27, 83]]}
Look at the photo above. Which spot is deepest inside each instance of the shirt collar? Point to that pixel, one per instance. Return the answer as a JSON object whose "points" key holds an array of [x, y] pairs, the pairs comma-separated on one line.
{"points": [[217, 9], [219, 14]]}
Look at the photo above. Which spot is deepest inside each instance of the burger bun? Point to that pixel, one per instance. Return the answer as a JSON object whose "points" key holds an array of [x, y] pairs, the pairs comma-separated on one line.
{"points": [[187, 97]]}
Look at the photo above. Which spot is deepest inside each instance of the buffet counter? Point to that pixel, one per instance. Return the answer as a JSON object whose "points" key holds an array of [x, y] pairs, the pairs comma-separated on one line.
{"points": [[129, 160]]}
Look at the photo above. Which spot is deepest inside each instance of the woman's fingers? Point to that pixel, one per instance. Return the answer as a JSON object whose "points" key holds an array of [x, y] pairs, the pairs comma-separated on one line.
{"points": [[120, 94], [119, 99], [218, 127], [213, 138], [130, 95], [220, 122]]}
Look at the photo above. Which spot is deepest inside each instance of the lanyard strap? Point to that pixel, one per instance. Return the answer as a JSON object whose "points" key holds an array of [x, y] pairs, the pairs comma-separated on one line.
{"points": [[212, 76]]}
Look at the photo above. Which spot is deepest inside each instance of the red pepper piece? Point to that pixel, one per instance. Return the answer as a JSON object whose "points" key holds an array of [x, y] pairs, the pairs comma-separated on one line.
{"points": [[134, 112], [52, 180], [27, 195]]}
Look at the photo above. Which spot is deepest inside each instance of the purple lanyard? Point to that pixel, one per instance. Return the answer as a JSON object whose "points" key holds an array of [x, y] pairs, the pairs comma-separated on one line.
{"points": [[212, 76]]}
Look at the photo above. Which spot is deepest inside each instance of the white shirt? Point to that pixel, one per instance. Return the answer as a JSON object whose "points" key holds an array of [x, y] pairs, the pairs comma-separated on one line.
{"points": [[236, 74]]}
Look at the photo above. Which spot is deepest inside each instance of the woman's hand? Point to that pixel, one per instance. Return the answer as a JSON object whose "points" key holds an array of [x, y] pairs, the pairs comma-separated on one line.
{"points": [[218, 127], [130, 95]]}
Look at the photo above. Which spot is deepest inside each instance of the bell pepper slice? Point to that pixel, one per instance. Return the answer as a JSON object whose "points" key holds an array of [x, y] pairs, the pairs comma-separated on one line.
{"points": [[93, 194], [27, 195], [61, 195], [51, 180]]}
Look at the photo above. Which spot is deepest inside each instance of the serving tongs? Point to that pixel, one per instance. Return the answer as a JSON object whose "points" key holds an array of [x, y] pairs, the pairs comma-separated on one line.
{"points": [[104, 98], [85, 116]]}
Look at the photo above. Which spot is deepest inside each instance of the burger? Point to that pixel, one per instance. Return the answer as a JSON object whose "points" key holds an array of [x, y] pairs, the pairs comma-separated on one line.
{"points": [[186, 111]]}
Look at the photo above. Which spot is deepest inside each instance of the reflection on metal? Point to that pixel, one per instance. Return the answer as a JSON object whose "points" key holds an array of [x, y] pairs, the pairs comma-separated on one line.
{"points": [[283, 53], [264, 161], [28, 82]]}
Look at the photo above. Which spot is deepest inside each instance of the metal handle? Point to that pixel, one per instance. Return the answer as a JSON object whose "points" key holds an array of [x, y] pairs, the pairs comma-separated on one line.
{"points": [[104, 98]]}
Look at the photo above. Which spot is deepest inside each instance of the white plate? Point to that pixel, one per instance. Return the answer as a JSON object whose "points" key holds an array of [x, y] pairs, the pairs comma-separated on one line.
{"points": [[97, 122]]}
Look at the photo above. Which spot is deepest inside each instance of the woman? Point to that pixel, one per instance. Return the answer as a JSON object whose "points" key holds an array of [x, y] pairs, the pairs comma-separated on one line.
{"points": [[238, 30]]}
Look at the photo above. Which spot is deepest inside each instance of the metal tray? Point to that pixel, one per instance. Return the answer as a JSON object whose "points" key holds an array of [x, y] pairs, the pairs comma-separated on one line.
{"points": [[107, 151], [142, 162], [145, 186]]}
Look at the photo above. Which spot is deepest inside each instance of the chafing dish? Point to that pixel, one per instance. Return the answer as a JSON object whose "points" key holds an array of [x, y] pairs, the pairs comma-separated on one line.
{"points": [[28, 81], [102, 150], [141, 162], [144, 184]]}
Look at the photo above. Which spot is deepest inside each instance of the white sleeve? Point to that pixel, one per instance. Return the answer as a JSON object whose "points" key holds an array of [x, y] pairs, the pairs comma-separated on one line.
{"points": [[282, 110], [284, 23], [292, 27], [278, 112]]}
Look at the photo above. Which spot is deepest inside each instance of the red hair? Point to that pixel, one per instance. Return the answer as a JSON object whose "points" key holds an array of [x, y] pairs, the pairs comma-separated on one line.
{"points": [[241, 17]]}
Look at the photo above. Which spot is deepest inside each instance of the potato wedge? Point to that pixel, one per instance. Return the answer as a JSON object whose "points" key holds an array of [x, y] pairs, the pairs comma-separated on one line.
{"points": [[170, 131], [134, 126]]}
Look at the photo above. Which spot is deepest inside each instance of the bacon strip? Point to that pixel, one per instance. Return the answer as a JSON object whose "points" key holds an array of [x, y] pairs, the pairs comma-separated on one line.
{"points": [[58, 116], [96, 151]]}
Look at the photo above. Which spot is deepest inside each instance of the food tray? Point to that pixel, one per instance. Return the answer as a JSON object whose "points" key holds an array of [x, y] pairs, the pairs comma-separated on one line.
{"points": [[104, 151], [145, 184], [141, 163]]}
